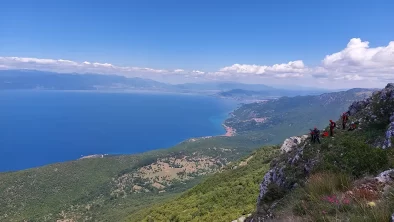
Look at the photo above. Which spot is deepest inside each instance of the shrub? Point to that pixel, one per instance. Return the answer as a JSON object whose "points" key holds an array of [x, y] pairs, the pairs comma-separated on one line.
{"points": [[274, 193], [351, 155], [360, 158]]}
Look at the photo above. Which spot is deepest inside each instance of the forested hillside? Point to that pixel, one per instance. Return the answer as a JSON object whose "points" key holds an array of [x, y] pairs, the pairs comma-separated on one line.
{"points": [[225, 196], [112, 187], [288, 116]]}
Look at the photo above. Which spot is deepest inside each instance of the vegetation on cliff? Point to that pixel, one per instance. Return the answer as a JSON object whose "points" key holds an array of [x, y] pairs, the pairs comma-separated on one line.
{"points": [[346, 178]]}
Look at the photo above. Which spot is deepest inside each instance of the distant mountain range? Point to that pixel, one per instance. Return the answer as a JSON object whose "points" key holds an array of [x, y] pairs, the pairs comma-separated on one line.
{"points": [[242, 94], [39, 80], [21, 79]]}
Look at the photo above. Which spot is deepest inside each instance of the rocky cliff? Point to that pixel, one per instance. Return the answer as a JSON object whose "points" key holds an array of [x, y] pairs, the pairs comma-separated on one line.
{"points": [[364, 156]]}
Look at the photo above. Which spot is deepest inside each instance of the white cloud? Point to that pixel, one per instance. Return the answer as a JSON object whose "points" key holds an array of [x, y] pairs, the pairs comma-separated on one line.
{"points": [[64, 66], [359, 61], [198, 72], [349, 77], [290, 69]]}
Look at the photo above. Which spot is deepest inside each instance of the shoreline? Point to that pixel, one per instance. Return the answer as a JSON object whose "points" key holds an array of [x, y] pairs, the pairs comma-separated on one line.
{"points": [[229, 131]]}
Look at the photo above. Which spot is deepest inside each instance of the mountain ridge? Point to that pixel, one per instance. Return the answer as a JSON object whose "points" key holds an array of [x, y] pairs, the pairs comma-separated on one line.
{"points": [[352, 155], [40, 80]]}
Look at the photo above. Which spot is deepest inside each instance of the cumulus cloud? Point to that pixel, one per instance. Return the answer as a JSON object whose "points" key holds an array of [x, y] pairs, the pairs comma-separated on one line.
{"points": [[290, 69], [356, 62], [360, 61], [198, 72], [349, 77]]}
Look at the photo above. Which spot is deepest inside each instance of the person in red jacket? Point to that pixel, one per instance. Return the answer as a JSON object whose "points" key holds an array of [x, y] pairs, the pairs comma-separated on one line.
{"points": [[332, 126], [345, 118]]}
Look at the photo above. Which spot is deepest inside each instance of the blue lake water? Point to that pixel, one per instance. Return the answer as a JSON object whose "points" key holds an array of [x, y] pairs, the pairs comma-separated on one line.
{"points": [[43, 127]]}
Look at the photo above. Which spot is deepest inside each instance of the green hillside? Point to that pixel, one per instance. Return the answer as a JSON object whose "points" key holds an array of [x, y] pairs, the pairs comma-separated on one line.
{"points": [[101, 188], [225, 196], [289, 116]]}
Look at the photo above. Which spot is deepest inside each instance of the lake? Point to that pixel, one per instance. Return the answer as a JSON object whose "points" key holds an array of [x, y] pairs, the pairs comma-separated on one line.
{"points": [[43, 127]]}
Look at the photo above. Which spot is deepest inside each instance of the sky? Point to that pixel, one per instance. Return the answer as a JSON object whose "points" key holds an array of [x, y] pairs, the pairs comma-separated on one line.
{"points": [[327, 44]]}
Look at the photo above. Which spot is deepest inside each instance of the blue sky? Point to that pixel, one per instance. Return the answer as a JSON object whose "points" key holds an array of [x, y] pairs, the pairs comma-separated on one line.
{"points": [[193, 35]]}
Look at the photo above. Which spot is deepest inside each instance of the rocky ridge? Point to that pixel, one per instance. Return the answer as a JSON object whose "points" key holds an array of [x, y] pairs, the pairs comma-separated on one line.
{"points": [[299, 157]]}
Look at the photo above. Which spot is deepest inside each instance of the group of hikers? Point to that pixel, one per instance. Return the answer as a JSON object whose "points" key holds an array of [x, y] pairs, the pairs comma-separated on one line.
{"points": [[315, 133]]}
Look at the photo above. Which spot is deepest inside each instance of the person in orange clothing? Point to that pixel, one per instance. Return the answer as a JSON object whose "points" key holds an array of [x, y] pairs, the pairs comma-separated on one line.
{"points": [[345, 118]]}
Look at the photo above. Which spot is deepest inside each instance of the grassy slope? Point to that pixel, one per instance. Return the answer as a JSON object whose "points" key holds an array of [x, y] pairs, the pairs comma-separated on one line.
{"points": [[345, 163], [339, 188], [225, 196]]}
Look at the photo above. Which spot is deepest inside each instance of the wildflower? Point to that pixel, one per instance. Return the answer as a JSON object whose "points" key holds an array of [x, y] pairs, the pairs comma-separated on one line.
{"points": [[333, 199], [371, 204], [346, 201]]}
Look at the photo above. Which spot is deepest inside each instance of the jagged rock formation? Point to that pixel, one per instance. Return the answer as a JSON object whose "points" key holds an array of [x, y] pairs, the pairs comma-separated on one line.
{"points": [[292, 142], [386, 176], [385, 98], [281, 175], [294, 165], [389, 134]]}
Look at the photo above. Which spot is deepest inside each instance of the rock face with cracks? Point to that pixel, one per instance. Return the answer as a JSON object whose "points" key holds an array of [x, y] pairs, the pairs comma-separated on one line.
{"points": [[276, 179]]}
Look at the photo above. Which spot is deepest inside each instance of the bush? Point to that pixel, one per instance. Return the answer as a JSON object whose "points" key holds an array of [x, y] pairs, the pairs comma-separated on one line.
{"points": [[351, 155], [360, 158], [274, 193]]}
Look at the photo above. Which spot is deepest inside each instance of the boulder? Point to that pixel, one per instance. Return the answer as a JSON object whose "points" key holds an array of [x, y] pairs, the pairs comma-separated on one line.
{"points": [[392, 117], [386, 176], [390, 86], [290, 143], [389, 134], [387, 92], [358, 105]]}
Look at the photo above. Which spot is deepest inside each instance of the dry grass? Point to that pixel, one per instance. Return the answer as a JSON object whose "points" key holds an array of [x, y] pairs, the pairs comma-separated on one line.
{"points": [[334, 197], [327, 183]]}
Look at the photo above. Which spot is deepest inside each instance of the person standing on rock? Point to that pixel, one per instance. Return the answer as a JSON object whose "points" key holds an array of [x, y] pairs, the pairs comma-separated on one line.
{"points": [[312, 136], [332, 126], [316, 133], [344, 120]]}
